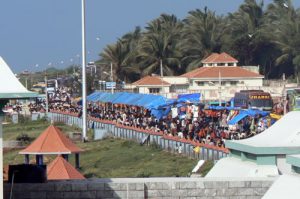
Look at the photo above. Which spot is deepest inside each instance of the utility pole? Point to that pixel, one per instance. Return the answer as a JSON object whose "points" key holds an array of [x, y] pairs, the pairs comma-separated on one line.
{"points": [[46, 92], [220, 87], [111, 77], [84, 107], [161, 76]]}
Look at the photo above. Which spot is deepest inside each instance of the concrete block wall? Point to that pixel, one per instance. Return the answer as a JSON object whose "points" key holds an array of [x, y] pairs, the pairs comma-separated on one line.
{"points": [[149, 188]]}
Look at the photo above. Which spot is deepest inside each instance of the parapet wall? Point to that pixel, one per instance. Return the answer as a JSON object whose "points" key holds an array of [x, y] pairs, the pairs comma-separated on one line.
{"points": [[151, 188]]}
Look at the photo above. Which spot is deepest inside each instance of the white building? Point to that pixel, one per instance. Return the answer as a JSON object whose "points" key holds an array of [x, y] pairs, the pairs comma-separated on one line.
{"points": [[222, 69], [219, 77]]}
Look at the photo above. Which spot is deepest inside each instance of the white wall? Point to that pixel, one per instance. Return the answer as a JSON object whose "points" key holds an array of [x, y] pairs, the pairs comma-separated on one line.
{"points": [[283, 166], [145, 89]]}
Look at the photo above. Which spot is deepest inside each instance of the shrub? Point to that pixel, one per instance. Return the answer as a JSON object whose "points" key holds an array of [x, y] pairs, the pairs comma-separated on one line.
{"points": [[24, 138]]}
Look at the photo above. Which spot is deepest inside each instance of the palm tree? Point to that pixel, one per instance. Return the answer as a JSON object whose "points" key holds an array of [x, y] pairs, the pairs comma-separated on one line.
{"points": [[123, 56], [244, 28], [286, 35], [201, 36], [159, 42]]}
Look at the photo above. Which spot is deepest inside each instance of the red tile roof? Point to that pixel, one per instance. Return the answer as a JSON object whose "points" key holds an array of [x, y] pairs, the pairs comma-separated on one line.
{"points": [[60, 169], [51, 141], [219, 58], [226, 72], [151, 80]]}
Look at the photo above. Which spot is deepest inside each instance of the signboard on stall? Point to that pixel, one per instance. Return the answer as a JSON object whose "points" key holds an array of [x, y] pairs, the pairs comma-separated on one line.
{"points": [[110, 85]]}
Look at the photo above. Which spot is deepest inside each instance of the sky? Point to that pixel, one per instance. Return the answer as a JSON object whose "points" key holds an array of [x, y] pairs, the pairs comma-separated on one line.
{"points": [[38, 34]]}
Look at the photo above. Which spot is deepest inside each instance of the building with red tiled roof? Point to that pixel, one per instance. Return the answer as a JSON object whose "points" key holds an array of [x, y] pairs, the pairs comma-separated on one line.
{"points": [[220, 75], [157, 84], [60, 169], [226, 72], [51, 141], [151, 81], [222, 59]]}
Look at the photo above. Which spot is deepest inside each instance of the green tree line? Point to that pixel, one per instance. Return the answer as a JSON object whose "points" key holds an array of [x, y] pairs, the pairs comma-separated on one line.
{"points": [[255, 34]]}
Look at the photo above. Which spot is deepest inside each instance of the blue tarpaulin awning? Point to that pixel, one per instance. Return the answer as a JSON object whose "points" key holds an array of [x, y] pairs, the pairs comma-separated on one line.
{"points": [[148, 101], [189, 98], [245, 113]]}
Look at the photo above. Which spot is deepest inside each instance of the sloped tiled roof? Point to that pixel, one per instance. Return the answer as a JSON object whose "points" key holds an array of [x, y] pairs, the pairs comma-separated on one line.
{"points": [[51, 141], [151, 80], [219, 58], [60, 169], [226, 72]]}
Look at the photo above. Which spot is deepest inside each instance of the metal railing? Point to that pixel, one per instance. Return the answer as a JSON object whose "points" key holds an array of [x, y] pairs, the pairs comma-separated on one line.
{"points": [[171, 144]]}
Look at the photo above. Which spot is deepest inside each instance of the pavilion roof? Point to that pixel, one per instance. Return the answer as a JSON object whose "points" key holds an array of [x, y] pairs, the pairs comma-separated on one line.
{"points": [[60, 169], [51, 141]]}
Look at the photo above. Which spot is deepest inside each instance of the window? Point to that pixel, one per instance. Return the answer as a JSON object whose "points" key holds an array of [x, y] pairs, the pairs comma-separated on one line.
{"points": [[154, 90], [233, 83], [200, 83]]}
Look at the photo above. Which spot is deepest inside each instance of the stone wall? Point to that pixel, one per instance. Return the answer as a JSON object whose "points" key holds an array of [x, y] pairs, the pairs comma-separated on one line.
{"points": [[158, 188]]}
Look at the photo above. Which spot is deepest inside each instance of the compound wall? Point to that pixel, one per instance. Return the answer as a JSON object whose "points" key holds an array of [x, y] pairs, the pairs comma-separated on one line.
{"points": [[151, 188]]}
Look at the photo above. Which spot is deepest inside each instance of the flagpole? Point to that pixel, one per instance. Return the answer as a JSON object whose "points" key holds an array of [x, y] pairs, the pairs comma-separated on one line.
{"points": [[84, 108]]}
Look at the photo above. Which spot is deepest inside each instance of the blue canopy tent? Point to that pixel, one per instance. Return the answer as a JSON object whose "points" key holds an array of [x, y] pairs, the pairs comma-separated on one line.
{"points": [[245, 113], [132, 100], [155, 102], [160, 113], [189, 98], [238, 118], [223, 108], [121, 98], [148, 101]]}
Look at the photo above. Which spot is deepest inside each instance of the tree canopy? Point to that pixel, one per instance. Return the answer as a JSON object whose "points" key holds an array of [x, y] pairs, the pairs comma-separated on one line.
{"points": [[255, 34]]}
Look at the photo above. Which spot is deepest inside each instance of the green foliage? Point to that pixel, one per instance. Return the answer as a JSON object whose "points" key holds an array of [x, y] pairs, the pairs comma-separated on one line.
{"points": [[24, 138], [254, 35], [109, 157]]}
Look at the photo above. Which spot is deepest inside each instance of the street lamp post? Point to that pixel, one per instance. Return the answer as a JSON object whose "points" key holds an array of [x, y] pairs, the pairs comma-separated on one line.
{"points": [[220, 89], [84, 108], [46, 92]]}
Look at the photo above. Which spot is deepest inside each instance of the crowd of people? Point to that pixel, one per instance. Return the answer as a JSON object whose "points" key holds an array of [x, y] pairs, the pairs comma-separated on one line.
{"points": [[188, 121], [60, 95]]}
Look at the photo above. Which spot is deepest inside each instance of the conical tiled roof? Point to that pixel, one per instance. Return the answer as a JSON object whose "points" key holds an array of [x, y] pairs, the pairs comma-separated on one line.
{"points": [[60, 169], [51, 141]]}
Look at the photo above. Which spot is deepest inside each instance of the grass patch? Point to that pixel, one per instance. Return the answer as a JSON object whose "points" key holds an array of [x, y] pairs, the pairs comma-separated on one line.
{"points": [[108, 158], [206, 167]]}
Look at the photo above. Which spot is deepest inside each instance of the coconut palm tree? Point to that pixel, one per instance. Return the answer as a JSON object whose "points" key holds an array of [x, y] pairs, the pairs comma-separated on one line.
{"points": [[201, 36], [284, 21], [159, 42], [123, 56], [244, 30]]}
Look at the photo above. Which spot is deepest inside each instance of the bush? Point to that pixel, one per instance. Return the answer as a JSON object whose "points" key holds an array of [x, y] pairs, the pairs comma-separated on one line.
{"points": [[24, 138]]}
